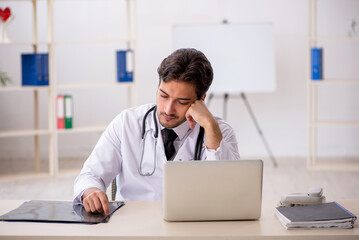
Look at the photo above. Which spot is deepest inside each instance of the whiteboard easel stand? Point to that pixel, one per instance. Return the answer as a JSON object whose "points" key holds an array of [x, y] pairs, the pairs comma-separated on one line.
{"points": [[253, 117]]}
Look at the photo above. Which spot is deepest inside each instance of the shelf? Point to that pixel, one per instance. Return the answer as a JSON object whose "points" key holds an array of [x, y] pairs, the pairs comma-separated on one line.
{"points": [[67, 86], [23, 43], [100, 41], [313, 86], [84, 129], [25, 132], [337, 123], [93, 85], [16, 0], [333, 38], [22, 88], [334, 81], [70, 42], [51, 43]]}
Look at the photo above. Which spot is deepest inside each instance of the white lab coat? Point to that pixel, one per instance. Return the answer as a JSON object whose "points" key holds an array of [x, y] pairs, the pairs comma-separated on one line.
{"points": [[118, 153]]}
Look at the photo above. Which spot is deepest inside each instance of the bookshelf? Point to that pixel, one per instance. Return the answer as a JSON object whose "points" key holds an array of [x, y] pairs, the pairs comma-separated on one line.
{"points": [[56, 85], [315, 39]]}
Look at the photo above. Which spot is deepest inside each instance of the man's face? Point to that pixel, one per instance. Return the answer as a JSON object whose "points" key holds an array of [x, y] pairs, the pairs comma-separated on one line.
{"points": [[173, 100]]}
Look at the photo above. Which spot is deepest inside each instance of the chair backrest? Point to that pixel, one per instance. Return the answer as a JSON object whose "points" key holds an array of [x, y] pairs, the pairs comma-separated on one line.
{"points": [[113, 189]]}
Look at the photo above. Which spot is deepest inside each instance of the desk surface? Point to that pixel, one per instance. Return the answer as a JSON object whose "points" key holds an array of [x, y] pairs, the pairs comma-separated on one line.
{"points": [[143, 220]]}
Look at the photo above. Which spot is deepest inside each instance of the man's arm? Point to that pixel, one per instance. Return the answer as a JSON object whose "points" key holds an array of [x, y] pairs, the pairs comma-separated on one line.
{"points": [[198, 112], [99, 170]]}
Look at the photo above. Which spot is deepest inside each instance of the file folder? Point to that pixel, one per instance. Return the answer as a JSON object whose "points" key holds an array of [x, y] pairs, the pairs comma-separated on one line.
{"points": [[35, 69], [68, 106], [45, 68], [125, 65], [317, 63], [57, 211], [60, 112]]}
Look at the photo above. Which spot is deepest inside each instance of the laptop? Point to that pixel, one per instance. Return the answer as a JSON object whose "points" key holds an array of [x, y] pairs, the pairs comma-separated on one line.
{"points": [[212, 190]]}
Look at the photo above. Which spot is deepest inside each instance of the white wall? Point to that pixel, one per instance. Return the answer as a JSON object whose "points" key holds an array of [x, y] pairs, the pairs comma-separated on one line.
{"points": [[281, 114]]}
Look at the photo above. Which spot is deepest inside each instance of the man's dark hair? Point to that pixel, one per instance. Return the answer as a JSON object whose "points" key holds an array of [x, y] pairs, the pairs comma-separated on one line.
{"points": [[188, 65]]}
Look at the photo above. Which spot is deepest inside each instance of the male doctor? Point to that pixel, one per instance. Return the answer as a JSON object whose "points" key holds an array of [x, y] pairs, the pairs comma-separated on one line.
{"points": [[180, 113]]}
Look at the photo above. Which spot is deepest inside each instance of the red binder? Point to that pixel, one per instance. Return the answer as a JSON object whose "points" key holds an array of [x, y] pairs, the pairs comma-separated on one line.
{"points": [[60, 112]]}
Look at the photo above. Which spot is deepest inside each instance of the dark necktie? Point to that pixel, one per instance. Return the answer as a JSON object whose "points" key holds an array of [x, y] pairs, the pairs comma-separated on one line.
{"points": [[169, 137]]}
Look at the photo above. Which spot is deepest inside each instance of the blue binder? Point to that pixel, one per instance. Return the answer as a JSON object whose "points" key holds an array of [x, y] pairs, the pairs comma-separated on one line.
{"points": [[45, 68], [317, 63], [35, 69], [125, 63]]}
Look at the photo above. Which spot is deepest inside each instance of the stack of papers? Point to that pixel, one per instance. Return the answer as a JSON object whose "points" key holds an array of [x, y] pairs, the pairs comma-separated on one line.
{"points": [[325, 215]]}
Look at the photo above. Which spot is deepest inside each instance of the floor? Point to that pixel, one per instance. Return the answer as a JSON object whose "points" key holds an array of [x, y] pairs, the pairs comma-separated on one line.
{"points": [[291, 175]]}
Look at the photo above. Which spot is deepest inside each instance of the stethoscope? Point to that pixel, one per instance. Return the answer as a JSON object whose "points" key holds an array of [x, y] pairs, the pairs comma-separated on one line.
{"points": [[198, 149]]}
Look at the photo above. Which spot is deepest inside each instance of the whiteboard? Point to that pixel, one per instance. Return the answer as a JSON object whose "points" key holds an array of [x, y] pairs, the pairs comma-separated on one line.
{"points": [[242, 55]]}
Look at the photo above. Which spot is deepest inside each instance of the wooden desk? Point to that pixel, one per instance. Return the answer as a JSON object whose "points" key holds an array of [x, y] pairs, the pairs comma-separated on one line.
{"points": [[143, 220]]}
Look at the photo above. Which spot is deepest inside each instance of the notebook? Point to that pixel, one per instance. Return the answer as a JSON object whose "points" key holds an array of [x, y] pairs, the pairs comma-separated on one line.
{"points": [[212, 190], [323, 215]]}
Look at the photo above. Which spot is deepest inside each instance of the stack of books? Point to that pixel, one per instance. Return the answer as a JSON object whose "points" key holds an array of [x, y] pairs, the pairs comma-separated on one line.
{"points": [[324, 215]]}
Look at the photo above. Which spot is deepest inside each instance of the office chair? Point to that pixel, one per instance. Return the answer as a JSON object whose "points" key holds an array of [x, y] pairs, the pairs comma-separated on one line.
{"points": [[113, 189]]}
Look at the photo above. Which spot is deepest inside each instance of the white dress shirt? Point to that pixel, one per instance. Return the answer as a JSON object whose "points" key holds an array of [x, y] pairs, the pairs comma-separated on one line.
{"points": [[118, 153]]}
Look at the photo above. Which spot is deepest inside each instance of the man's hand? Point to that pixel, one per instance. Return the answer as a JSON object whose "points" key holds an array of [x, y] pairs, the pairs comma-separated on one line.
{"points": [[198, 112], [95, 201]]}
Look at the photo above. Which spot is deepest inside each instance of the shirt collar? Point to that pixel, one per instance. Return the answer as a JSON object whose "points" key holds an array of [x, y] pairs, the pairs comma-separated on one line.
{"points": [[180, 130]]}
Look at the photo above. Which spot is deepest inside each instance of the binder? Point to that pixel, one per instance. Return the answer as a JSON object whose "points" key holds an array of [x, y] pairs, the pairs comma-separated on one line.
{"points": [[35, 69], [125, 62], [68, 106], [60, 112], [317, 63], [45, 68]]}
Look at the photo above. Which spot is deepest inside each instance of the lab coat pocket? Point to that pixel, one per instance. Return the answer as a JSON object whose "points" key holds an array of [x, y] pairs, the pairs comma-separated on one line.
{"points": [[184, 156]]}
